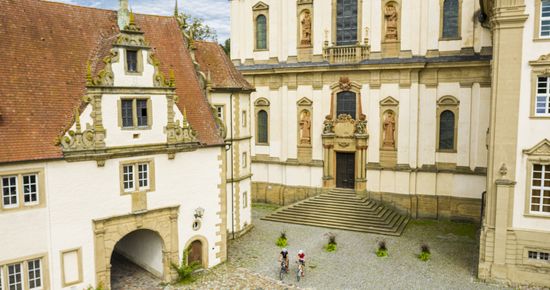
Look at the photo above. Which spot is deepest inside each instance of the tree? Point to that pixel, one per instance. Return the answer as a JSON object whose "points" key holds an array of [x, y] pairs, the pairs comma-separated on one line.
{"points": [[194, 27], [227, 46]]}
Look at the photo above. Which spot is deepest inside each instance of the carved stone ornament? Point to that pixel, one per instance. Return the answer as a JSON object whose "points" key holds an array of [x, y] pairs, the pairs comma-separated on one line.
{"points": [[392, 19], [222, 129], [328, 125], [131, 35], [159, 80], [184, 133], [503, 170], [344, 84], [541, 149], [78, 139], [345, 118], [306, 28], [105, 77], [361, 125]]}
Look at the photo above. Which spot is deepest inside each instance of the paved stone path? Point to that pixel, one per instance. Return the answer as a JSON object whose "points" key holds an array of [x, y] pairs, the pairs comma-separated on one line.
{"points": [[252, 260]]}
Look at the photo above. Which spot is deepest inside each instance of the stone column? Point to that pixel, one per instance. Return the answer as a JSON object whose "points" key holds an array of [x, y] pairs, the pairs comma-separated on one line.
{"points": [[328, 155]]}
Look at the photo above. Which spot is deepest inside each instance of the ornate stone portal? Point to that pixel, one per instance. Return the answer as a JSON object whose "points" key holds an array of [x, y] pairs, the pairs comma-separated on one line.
{"points": [[345, 134]]}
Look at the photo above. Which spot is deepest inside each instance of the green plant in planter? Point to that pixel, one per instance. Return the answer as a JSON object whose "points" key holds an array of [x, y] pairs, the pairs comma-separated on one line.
{"points": [[382, 249], [185, 271], [425, 253], [331, 245], [282, 240]]}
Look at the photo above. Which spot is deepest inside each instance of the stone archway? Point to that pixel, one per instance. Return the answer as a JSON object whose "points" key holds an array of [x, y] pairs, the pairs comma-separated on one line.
{"points": [[108, 232], [198, 250]]}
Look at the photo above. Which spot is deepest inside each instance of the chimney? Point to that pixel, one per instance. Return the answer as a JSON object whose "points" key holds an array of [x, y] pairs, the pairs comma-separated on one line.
{"points": [[123, 14]]}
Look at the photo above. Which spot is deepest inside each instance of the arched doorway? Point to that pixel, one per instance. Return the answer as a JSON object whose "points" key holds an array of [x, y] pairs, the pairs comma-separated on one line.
{"points": [[138, 256]]}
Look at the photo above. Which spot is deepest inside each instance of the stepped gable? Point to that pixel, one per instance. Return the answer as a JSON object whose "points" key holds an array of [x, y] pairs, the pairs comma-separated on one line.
{"points": [[45, 48], [342, 209], [212, 59]]}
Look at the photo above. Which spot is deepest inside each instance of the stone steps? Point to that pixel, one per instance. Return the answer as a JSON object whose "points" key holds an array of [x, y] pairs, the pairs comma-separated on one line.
{"points": [[342, 209]]}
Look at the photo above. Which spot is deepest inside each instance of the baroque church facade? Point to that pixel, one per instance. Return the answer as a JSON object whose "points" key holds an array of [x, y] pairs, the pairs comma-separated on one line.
{"points": [[111, 146], [438, 108]]}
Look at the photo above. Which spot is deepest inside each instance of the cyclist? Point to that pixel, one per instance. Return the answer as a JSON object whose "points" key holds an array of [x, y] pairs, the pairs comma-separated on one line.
{"points": [[283, 256]]}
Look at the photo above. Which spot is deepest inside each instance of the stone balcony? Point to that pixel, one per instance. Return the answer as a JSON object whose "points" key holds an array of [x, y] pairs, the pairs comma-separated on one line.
{"points": [[346, 53]]}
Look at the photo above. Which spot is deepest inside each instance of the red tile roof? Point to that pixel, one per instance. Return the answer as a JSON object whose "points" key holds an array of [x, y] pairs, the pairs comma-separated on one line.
{"points": [[223, 73], [45, 47]]}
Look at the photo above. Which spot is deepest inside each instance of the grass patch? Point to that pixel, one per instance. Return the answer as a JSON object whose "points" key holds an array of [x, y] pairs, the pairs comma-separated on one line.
{"points": [[330, 248], [464, 229]]}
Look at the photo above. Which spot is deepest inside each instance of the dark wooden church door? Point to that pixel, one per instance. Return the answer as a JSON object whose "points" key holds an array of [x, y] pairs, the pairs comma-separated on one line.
{"points": [[345, 170], [195, 253]]}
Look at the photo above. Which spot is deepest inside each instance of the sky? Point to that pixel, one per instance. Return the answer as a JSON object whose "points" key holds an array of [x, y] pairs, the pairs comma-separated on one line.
{"points": [[214, 12]]}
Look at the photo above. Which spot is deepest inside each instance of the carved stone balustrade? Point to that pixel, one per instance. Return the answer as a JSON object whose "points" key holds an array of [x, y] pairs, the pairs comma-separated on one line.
{"points": [[346, 53]]}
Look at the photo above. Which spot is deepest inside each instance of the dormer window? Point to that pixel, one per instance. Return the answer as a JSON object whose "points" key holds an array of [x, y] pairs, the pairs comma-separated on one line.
{"points": [[131, 60], [135, 113]]}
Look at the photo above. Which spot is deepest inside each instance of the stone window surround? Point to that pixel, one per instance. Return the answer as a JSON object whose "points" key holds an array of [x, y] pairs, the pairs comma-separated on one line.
{"points": [[447, 103], [64, 282], [359, 21], [459, 35], [258, 9], [538, 263], [43, 257], [354, 88], [139, 55], [134, 113], [150, 188], [534, 156], [20, 195], [539, 68], [261, 104], [537, 19]]}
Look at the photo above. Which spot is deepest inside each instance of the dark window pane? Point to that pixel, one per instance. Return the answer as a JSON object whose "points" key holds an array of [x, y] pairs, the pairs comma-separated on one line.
{"points": [[127, 114], [447, 130], [346, 22], [450, 19], [131, 60], [141, 107], [346, 104], [261, 32], [262, 127]]}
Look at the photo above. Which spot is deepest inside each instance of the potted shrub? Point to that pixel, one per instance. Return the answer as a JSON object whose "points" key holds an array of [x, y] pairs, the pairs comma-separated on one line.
{"points": [[331, 245], [282, 241], [424, 253], [382, 249]]}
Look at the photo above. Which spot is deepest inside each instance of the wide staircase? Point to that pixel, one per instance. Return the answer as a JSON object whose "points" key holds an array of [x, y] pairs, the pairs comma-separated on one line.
{"points": [[342, 209]]}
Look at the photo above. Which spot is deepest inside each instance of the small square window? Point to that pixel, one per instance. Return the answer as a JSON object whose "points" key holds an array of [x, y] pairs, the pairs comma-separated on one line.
{"points": [[9, 191], [132, 60], [128, 177]]}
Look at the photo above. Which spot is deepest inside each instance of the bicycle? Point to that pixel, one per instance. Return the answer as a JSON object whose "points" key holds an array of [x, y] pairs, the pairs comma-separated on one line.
{"points": [[283, 270], [299, 271]]}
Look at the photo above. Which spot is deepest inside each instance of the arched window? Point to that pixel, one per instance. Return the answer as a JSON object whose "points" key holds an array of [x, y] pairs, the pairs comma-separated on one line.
{"points": [[447, 130], [451, 19], [262, 127], [346, 104], [261, 32], [346, 22]]}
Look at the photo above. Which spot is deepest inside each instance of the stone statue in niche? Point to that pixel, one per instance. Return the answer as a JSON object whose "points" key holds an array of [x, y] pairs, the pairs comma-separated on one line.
{"points": [[361, 125], [306, 28], [390, 13], [305, 127], [328, 125], [389, 130]]}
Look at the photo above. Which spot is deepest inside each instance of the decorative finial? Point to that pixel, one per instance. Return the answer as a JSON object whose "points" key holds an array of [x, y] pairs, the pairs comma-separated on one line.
{"points": [[176, 12], [89, 78], [172, 78], [132, 18], [122, 15], [77, 120], [503, 170]]}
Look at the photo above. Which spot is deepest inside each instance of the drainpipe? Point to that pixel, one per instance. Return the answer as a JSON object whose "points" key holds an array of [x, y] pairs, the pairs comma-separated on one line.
{"points": [[232, 178]]}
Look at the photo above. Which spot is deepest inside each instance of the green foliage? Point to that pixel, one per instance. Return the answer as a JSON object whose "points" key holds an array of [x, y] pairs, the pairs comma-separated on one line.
{"points": [[463, 229], [184, 270], [382, 253], [99, 287], [227, 46], [425, 253], [282, 240], [195, 28], [330, 247]]}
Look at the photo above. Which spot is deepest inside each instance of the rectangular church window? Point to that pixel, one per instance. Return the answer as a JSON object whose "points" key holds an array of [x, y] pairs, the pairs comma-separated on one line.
{"points": [[346, 22], [132, 60], [542, 103], [545, 19], [450, 19]]}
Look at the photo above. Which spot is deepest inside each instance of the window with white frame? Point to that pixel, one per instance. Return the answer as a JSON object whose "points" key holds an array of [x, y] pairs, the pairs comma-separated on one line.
{"points": [[30, 189], [15, 277], [9, 191], [34, 274], [143, 175], [128, 177], [136, 176], [545, 18], [542, 256], [540, 188], [542, 106]]}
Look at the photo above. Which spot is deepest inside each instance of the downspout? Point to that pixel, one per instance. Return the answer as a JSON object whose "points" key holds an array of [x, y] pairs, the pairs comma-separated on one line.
{"points": [[232, 165]]}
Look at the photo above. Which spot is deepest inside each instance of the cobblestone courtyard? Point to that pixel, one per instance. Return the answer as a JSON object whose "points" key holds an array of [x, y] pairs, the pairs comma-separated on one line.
{"points": [[253, 259]]}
